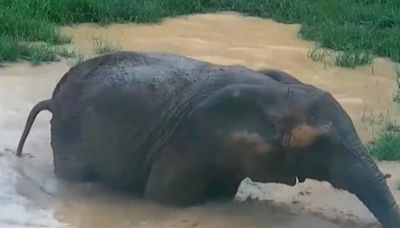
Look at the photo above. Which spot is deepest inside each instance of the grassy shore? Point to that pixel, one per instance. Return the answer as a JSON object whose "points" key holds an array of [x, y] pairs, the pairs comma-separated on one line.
{"points": [[387, 146], [359, 28]]}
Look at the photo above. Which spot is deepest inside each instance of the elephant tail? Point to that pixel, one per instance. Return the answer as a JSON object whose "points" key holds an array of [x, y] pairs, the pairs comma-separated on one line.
{"points": [[43, 105]]}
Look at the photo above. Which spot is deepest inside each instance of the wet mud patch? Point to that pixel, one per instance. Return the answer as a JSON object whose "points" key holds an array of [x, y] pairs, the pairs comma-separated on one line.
{"points": [[104, 208]]}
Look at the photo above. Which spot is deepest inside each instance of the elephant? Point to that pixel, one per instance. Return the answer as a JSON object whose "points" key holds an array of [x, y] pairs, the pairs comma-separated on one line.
{"points": [[180, 131]]}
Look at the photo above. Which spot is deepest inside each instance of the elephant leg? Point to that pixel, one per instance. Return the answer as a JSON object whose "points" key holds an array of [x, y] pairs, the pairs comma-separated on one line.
{"points": [[223, 191], [176, 183], [69, 162]]}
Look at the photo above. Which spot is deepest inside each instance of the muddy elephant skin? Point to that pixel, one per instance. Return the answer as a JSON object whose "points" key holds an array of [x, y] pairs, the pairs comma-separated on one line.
{"points": [[180, 131]]}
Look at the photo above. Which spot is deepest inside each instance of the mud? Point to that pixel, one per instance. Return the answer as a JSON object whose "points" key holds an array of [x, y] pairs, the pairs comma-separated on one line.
{"points": [[32, 197]]}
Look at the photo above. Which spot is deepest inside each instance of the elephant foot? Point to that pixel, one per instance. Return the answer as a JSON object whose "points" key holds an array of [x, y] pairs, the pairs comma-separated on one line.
{"points": [[176, 184], [222, 192]]}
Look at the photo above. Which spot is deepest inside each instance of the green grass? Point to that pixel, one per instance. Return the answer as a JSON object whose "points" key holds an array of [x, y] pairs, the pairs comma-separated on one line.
{"points": [[357, 28], [352, 59], [102, 46], [41, 53], [64, 52], [397, 95], [318, 54], [387, 146], [11, 50], [343, 59], [75, 58]]}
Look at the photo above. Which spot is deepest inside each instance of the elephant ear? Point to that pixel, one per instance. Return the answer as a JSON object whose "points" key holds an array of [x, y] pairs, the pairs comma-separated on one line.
{"points": [[236, 114]]}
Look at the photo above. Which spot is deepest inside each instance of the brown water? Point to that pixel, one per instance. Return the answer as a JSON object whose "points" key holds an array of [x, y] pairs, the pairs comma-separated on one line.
{"points": [[34, 198]]}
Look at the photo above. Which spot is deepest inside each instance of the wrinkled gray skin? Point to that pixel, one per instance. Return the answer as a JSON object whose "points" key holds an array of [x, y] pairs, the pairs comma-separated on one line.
{"points": [[181, 132]]}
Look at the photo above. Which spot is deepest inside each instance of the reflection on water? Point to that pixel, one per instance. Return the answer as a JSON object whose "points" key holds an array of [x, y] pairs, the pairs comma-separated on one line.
{"points": [[223, 39]]}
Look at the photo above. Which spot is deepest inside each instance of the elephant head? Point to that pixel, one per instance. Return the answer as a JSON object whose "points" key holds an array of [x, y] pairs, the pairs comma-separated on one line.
{"points": [[289, 131]]}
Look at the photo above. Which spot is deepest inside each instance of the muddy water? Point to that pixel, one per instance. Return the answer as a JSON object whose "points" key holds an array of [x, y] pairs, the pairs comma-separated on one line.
{"points": [[32, 197]]}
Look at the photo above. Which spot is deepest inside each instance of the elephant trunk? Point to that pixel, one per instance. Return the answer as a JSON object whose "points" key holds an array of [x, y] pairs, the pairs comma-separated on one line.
{"points": [[353, 170]]}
